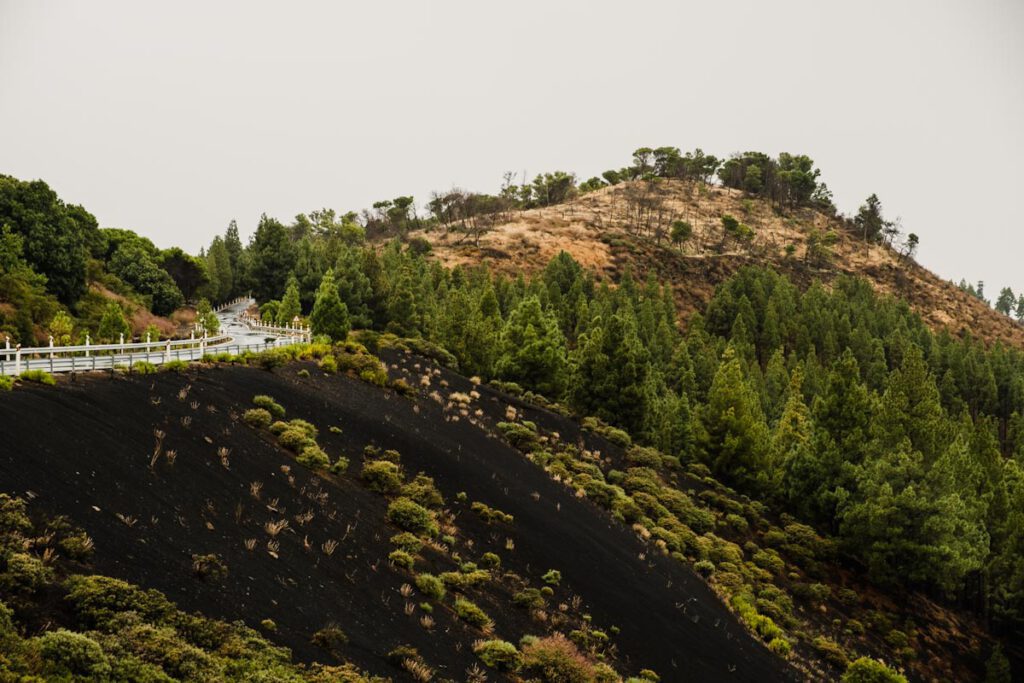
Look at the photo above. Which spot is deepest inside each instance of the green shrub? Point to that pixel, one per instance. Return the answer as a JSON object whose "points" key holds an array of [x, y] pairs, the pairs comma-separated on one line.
{"points": [[331, 638], [491, 515], [382, 476], [831, 651], [498, 654], [209, 567], [422, 490], [339, 466], [6, 383], [520, 436], [268, 625], [25, 574], [77, 546], [175, 365], [303, 373], [490, 560], [552, 577], [257, 417], [295, 440], [471, 614], [38, 376], [65, 653], [410, 543], [402, 559], [142, 367], [313, 457], [329, 365], [430, 585], [867, 670], [269, 404], [555, 658], [780, 646], [705, 568], [411, 516], [529, 598]]}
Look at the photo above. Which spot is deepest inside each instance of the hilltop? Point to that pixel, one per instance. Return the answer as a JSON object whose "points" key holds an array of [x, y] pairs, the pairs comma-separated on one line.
{"points": [[628, 224]]}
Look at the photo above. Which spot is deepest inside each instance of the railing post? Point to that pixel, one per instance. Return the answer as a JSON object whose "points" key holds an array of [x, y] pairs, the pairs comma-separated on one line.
{"points": [[167, 352], [87, 346], [51, 351], [7, 347], [17, 359]]}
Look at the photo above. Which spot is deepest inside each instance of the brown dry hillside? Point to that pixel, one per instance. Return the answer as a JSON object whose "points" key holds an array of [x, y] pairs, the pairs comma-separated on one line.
{"points": [[627, 224]]}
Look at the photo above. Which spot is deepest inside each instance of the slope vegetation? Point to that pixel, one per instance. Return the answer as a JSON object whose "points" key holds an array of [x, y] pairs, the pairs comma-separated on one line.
{"points": [[628, 224], [166, 477]]}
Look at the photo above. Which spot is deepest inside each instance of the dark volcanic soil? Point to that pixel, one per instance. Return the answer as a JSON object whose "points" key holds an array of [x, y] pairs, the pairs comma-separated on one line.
{"points": [[83, 450]]}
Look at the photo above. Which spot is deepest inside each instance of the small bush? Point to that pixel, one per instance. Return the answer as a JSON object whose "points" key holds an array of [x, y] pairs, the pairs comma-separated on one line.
{"points": [[339, 466], [520, 436], [705, 568], [410, 543], [422, 490], [382, 476], [77, 546], [72, 656], [831, 651], [269, 404], [209, 567], [329, 365], [175, 365], [430, 585], [269, 625], [38, 376], [402, 559], [491, 515], [867, 670], [330, 638], [471, 614], [490, 560], [295, 440], [303, 373], [498, 654], [555, 658], [259, 418], [313, 457], [142, 367], [552, 577], [411, 516], [780, 646]]}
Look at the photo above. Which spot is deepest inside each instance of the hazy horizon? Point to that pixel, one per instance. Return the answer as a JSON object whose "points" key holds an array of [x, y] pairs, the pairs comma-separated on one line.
{"points": [[173, 122]]}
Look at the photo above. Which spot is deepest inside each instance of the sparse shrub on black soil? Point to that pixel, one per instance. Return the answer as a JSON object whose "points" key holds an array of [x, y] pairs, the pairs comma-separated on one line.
{"points": [[382, 476], [142, 367], [38, 376], [411, 516], [552, 577], [410, 543], [520, 436], [470, 613], [422, 490], [430, 585], [269, 404], [498, 654], [331, 638], [313, 457], [491, 515], [402, 559], [259, 418], [174, 366], [867, 670], [6, 383], [210, 567], [556, 658]]}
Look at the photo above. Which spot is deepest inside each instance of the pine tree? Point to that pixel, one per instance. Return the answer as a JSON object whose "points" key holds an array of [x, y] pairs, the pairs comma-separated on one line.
{"points": [[330, 315], [290, 307], [532, 349], [792, 439], [733, 431], [113, 324]]}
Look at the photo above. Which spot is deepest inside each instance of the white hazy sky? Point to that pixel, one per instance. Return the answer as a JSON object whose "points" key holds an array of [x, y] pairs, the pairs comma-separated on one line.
{"points": [[173, 118]]}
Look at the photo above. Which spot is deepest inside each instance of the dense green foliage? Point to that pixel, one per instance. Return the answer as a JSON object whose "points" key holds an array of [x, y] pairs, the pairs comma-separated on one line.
{"points": [[838, 404]]}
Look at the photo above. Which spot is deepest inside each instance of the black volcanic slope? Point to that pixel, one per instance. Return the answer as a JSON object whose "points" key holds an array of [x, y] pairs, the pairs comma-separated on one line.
{"points": [[83, 450]]}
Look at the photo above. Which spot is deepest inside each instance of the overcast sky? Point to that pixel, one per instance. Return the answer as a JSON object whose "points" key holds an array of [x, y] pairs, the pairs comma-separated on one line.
{"points": [[173, 118]]}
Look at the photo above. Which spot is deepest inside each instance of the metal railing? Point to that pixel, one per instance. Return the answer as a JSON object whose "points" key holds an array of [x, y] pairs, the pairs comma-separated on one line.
{"points": [[88, 357]]}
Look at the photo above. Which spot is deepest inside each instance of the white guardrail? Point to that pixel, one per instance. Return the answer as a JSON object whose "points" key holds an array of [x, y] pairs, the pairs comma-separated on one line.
{"points": [[88, 357]]}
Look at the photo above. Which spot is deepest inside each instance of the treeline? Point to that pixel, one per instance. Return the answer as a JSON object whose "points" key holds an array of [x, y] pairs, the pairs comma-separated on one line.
{"points": [[50, 254], [838, 405]]}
